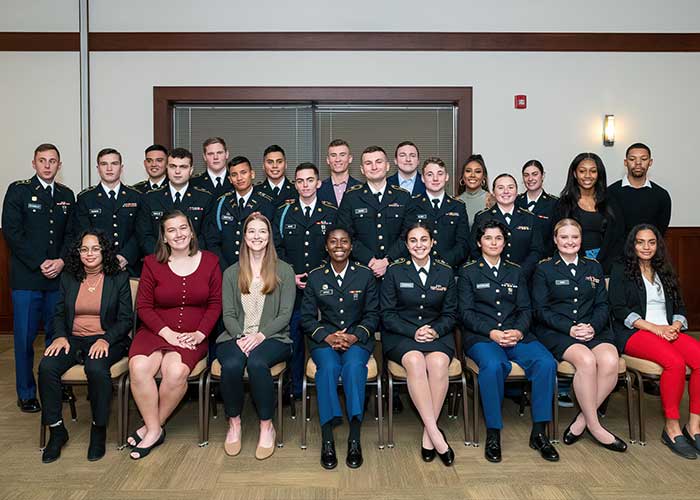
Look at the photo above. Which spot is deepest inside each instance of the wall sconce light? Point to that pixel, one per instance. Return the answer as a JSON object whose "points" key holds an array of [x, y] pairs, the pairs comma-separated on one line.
{"points": [[609, 130]]}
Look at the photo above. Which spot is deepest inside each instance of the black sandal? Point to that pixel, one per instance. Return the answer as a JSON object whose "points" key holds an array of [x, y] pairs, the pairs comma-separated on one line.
{"points": [[135, 436], [143, 452]]}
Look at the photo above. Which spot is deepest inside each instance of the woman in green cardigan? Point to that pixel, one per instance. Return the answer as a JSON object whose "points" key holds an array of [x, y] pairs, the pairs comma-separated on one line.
{"points": [[258, 299]]}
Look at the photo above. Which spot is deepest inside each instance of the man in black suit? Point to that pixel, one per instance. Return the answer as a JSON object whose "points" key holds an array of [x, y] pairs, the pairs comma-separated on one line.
{"points": [[155, 164], [276, 185], [407, 160], [214, 179], [338, 159], [35, 223]]}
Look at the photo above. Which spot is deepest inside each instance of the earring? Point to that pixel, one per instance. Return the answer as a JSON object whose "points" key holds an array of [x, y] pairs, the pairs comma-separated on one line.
{"points": [[461, 182]]}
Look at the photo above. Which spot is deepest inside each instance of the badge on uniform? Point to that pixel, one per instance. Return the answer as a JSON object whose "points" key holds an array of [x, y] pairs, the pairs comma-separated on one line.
{"points": [[34, 206], [290, 226], [64, 205], [156, 213], [479, 286], [355, 294], [196, 209], [422, 216], [360, 211], [561, 282], [394, 205], [523, 228], [325, 290], [130, 205], [227, 217], [593, 280], [438, 288], [95, 211], [510, 287], [405, 285]]}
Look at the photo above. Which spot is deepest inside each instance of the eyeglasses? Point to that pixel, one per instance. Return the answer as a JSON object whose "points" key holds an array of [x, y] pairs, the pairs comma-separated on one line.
{"points": [[86, 250]]}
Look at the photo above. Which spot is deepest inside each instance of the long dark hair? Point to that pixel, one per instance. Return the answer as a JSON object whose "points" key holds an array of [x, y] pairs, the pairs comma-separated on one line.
{"points": [[484, 182], [659, 263], [568, 200], [74, 266]]}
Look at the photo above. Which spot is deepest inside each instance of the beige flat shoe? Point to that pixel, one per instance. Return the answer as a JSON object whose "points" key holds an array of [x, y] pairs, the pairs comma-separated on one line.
{"points": [[232, 449], [261, 453]]}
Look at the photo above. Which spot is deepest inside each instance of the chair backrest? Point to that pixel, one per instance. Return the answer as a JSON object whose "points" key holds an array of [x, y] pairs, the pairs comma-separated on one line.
{"points": [[134, 284]]}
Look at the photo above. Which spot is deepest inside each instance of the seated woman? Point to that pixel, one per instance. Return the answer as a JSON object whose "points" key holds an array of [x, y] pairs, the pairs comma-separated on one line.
{"points": [[523, 229], [91, 324], [418, 306], [495, 308], [571, 307], [178, 303], [648, 317], [341, 341], [259, 292]]}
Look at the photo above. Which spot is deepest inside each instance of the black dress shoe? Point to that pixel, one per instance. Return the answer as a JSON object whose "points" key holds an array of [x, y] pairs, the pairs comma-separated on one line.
{"points": [[427, 454], [354, 457], [98, 437], [693, 440], [569, 437], [492, 450], [540, 442], [328, 458], [617, 445], [58, 436], [29, 405], [447, 458], [680, 445]]}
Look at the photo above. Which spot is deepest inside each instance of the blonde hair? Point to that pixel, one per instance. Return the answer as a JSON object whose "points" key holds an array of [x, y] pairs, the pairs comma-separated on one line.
{"points": [[567, 222], [269, 264]]}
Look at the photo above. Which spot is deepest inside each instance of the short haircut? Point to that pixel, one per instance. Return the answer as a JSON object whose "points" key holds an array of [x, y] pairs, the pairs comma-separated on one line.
{"points": [[47, 147], [491, 224], [307, 165], [181, 153], [405, 143], [213, 140], [108, 151], [338, 142], [274, 148], [500, 176], [533, 163], [373, 149], [638, 145], [435, 160], [156, 147], [237, 160], [337, 228]]}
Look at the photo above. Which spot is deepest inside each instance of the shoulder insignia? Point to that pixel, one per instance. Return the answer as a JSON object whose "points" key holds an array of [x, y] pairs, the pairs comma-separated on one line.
{"points": [[362, 266], [264, 196], [127, 186], [287, 202], [354, 188], [443, 263], [140, 183], [399, 188], [200, 174], [159, 189], [201, 190], [511, 263], [547, 259], [485, 210], [90, 188], [468, 263], [525, 210], [319, 268], [221, 197], [590, 259], [398, 262], [328, 204], [416, 196], [23, 181], [458, 200]]}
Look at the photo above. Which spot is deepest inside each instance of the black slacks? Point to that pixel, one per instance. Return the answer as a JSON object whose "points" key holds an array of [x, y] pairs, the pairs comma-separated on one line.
{"points": [[261, 359], [97, 370]]}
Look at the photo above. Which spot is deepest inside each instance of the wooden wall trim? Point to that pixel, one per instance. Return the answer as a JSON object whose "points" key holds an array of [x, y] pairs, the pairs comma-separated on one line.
{"points": [[39, 42], [358, 41], [684, 247]]}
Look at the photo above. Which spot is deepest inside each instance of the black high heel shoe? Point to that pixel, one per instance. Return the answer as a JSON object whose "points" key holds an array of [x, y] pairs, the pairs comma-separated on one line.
{"points": [[569, 437], [447, 458], [427, 454], [617, 445]]}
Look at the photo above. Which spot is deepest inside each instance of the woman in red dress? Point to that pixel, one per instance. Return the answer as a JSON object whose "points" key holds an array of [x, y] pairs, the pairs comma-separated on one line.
{"points": [[178, 303]]}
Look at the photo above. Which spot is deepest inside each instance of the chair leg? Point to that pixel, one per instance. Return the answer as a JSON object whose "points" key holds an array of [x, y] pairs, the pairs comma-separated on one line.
{"points": [[303, 412], [465, 408], [71, 402], [640, 400], [390, 411], [475, 410], [200, 408], [378, 405], [213, 406], [523, 399], [628, 389], [125, 406], [280, 418], [120, 413], [208, 402]]}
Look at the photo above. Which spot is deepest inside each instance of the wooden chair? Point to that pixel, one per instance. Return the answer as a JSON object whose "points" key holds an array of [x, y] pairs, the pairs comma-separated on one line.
{"points": [[517, 374], [397, 375], [373, 379], [214, 375], [75, 376], [567, 370]]}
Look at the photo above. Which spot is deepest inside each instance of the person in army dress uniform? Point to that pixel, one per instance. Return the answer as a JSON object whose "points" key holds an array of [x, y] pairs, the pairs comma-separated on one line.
{"points": [[300, 227], [341, 341], [215, 178], [111, 207], [494, 305], [536, 200], [524, 246], [196, 203], [224, 230], [419, 307], [447, 215], [276, 185], [155, 163], [36, 219], [571, 306]]}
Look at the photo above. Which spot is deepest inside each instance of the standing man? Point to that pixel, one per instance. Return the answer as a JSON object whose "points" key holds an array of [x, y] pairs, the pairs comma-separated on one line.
{"points": [[338, 160], [214, 178], [445, 215], [641, 200], [407, 159], [224, 229], [178, 194], [111, 207], [35, 222], [300, 228], [373, 214], [276, 186], [155, 164]]}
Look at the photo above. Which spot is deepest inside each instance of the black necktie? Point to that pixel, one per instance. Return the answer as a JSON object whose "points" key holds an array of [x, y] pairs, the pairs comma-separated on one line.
{"points": [[422, 274], [572, 268], [241, 203], [378, 195], [154, 186], [218, 182], [177, 198], [113, 195], [307, 212], [495, 271], [49, 191], [531, 205], [275, 191], [436, 204], [340, 279], [507, 218]]}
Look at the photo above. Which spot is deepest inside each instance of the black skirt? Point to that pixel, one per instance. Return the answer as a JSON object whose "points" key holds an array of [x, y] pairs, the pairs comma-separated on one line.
{"points": [[558, 343], [406, 344]]}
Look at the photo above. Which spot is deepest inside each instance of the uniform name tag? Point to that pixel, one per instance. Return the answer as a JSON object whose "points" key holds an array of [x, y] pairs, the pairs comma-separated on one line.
{"points": [[452, 214], [156, 213], [438, 288], [95, 211], [523, 228], [35, 206], [198, 209], [360, 210], [479, 286], [561, 282], [328, 291], [130, 205], [422, 216], [290, 226], [405, 285], [228, 217]]}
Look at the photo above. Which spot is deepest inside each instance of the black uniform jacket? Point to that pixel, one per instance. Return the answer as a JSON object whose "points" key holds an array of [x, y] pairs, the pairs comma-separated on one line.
{"points": [[407, 304], [487, 302], [224, 229], [327, 193], [203, 180], [629, 300], [545, 211], [196, 204], [375, 227], [94, 210], [36, 227], [116, 314], [524, 245], [287, 194], [354, 306], [449, 225], [145, 186]]}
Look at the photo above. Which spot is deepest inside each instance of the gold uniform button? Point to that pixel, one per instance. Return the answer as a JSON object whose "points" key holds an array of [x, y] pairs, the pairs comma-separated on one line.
{"points": [[420, 317], [114, 216], [381, 247], [498, 302], [340, 299], [236, 252], [238, 242], [341, 311], [381, 237], [422, 296], [307, 233], [575, 311], [342, 322], [498, 290], [379, 226], [500, 324], [115, 224], [575, 289], [498, 313], [116, 234], [575, 300]]}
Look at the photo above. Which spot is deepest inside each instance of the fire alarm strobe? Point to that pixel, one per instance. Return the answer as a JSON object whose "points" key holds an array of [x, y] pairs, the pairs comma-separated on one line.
{"points": [[520, 101]]}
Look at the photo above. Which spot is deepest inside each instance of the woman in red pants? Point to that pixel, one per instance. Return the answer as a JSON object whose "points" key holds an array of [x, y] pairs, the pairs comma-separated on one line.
{"points": [[649, 315]]}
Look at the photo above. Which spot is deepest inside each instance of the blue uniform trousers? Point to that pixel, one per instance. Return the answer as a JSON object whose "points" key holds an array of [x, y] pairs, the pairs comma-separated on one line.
{"points": [[28, 307], [351, 367], [298, 352], [494, 366]]}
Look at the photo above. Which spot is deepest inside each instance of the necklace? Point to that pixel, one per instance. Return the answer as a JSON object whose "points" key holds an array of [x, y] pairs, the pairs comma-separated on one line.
{"points": [[93, 286]]}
